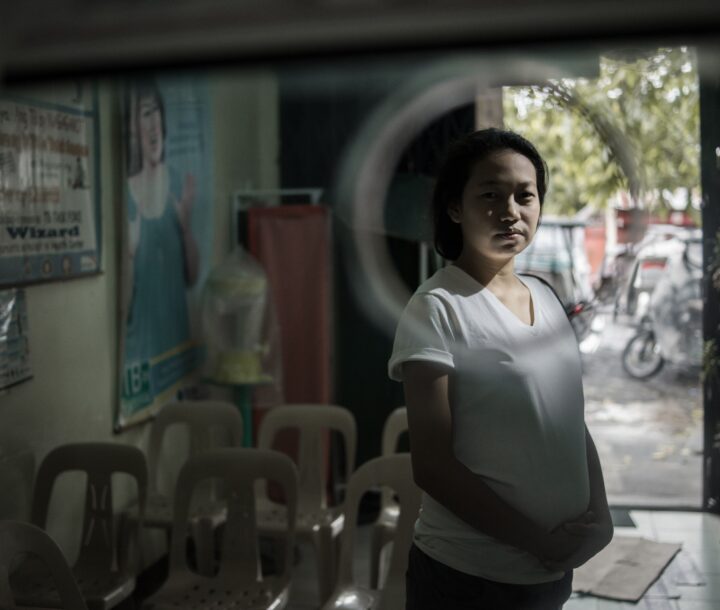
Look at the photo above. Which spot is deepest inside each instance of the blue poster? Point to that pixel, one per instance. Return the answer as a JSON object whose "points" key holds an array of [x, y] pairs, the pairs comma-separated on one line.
{"points": [[167, 239]]}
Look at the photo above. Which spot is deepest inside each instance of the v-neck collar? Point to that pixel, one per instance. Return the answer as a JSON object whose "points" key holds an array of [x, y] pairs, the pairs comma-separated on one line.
{"points": [[500, 305]]}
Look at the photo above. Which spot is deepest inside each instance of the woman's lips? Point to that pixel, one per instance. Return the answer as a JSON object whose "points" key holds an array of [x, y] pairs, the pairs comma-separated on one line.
{"points": [[509, 234]]}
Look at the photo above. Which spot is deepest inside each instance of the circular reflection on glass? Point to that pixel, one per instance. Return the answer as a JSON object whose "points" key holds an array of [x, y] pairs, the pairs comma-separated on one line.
{"points": [[369, 166]]}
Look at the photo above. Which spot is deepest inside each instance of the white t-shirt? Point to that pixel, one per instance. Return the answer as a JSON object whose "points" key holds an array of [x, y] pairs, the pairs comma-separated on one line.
{"points": [[517, 406]]}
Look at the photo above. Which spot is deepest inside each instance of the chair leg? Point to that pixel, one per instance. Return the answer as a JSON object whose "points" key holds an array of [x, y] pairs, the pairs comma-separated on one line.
{"points": [[278, 553], [130, 551], [202, 533], [325, 552], [376, 544]]}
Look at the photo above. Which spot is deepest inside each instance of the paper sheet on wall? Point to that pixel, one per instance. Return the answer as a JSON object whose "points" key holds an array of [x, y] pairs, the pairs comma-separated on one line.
{"points": [[14, 343], [49, 185]]}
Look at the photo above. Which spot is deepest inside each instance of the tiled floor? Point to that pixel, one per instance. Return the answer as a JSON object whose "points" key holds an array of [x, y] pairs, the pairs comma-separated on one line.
{"points": [[699, 534]]}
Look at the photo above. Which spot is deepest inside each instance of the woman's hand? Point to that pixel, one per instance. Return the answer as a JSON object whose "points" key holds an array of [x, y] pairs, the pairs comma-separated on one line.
{"points": [[559, 544], [578, 541]]}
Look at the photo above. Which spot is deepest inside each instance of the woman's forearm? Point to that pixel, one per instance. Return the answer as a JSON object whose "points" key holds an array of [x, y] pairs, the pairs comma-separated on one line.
{"points": [[192, 256], [470, 498]]}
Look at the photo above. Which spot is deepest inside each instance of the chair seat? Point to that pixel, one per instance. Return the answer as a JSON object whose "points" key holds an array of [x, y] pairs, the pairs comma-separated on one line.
{"points": [[192, 591], [272, 517], [110, 588], [361, 598], [101, 590], [353, 598]]}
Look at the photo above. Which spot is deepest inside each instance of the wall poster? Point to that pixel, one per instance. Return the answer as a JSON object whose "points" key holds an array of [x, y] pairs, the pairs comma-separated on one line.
{"points": [[14, 343], [49, 185], [167, 240]]}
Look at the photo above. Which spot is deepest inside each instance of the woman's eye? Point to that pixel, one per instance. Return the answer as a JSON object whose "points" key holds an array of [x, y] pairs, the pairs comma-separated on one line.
{"points": [[488, 195]]}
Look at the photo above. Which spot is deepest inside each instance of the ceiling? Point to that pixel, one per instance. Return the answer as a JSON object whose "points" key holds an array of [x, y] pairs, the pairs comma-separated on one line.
{"points": [[51, 38]]}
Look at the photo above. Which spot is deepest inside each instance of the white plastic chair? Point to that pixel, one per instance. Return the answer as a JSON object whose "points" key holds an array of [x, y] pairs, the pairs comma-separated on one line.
{"points": [[202, 419], [239, 582], [102, 570], [383, 529], [18, 538], [317, 521], [394, 471]]}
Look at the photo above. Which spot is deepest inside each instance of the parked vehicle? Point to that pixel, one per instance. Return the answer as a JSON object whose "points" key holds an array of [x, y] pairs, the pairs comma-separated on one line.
{"points": [[670, 328], [557, 255], [640, 267], [614, 271]]}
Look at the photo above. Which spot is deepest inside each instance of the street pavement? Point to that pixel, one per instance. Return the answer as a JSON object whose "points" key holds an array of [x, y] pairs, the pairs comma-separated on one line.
{"points": [[648, 433]]}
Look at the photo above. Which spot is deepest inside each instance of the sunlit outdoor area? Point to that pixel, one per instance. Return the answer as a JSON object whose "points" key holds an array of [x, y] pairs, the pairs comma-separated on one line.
{"points": [[623, 247]]}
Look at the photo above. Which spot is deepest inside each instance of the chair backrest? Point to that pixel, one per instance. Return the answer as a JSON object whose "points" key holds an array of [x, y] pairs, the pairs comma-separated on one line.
{"points": [[238, 468], [99, 461], [312, 422], [394, 471], [201, 418], [18, 538], [395, 425], [17, 472]]}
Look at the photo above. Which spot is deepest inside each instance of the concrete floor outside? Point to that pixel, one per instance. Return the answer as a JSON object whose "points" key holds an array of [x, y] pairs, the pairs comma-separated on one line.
{"points": [[648, 433]]}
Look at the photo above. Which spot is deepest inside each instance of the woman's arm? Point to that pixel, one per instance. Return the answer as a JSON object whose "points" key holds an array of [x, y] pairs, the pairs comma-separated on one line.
{"points": [[134, 228], [183, 208], [440, 474], [192, 256]]}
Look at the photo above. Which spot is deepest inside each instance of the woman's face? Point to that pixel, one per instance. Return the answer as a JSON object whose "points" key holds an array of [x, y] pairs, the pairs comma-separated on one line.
{"points": [[151, 135], [500, 207]]}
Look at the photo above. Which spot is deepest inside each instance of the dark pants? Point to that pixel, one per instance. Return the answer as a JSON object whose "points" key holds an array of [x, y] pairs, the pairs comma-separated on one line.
{"points": [[431, 585]]}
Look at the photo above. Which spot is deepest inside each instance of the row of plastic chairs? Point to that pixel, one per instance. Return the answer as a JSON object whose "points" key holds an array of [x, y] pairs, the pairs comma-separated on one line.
{"points": [[315, 519], [318, 522], [239, 582]]}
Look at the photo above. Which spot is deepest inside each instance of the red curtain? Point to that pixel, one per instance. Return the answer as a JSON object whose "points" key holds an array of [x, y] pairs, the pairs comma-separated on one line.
{"points": [[292, 243]]}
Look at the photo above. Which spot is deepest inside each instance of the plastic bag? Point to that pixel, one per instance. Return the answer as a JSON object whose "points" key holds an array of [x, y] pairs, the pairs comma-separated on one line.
{"points": [[239, 324]]}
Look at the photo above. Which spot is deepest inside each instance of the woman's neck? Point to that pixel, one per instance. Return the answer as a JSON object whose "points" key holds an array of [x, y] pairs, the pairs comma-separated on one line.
{"points": [[150, 189], [500, 274], [151, 168]]}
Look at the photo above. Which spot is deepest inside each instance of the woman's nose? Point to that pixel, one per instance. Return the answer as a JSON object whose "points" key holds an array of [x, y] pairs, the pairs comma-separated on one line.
{"points": [[511, 210]]}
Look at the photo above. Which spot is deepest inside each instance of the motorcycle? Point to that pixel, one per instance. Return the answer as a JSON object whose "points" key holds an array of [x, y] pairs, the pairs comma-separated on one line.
{"points": [[670, 328]]}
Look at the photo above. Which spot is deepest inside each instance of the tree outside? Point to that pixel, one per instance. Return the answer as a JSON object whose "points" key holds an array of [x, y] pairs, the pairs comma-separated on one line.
{"points": [[634, 129]]}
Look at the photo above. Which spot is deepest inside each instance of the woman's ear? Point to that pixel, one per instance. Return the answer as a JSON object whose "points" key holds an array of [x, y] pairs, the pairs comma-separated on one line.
{"points": [[454, 212]]}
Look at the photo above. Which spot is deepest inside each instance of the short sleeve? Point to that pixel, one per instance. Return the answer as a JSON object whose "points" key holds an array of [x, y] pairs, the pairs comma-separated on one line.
{"points": [[423, 333]]}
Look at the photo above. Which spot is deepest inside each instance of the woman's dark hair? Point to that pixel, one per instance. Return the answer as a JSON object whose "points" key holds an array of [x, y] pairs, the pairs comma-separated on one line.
{"points": [[138, 90], [455, 171]]}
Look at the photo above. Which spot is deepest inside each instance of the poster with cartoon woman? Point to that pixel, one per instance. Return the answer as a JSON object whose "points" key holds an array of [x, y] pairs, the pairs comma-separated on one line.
{"points": [[167, 240]]}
